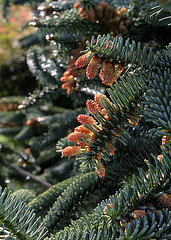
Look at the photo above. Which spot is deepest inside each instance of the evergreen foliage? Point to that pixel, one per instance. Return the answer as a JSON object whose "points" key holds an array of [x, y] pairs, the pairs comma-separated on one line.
{"points": [[91, 145], [20, 221]]}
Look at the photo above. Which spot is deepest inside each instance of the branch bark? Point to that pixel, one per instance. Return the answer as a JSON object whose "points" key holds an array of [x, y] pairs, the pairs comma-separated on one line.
{"points": [[25, 174]]}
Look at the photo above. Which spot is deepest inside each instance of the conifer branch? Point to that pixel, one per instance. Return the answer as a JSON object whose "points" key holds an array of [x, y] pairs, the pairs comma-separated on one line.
{"points": [[18, 219], [114, 211], [72, 194], [158, 102], [117, 51], [109, 115], [66, 22], [45, 201], [155, 13]]}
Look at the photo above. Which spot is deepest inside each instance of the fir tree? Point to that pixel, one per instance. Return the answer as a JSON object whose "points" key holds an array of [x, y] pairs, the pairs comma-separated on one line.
{"points": [[96, 132]]}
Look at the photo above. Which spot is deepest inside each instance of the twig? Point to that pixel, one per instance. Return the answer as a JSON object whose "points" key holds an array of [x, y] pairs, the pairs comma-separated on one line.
{"points": [[25, 173]]}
